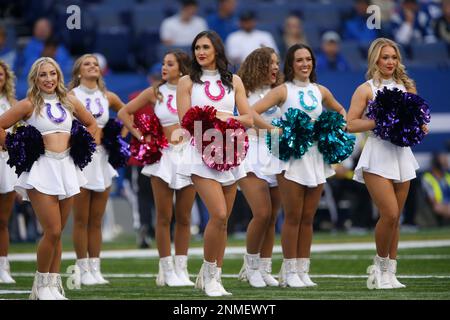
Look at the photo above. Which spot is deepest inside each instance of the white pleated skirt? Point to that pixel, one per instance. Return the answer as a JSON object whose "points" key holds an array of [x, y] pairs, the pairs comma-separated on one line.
{"points": [[53, 174], [258, 157], [385, 159], [192, 164], [99, 172], [8, 176], [310, 171], [166, 168]]}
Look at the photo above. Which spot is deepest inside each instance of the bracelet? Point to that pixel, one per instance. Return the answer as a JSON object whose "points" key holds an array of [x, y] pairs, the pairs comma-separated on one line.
{"points": [[142, 138]]}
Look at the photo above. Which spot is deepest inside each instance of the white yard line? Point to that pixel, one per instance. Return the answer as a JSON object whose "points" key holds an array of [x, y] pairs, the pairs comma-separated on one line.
{"points": [[153, 253], [232, 276]]}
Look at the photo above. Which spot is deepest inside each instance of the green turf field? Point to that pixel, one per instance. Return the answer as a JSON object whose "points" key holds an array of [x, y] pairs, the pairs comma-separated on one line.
{"points": [[339, 274]]}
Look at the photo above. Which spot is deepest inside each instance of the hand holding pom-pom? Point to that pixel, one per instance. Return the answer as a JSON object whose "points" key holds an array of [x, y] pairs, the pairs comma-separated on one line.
{"points": [[399, 117]]}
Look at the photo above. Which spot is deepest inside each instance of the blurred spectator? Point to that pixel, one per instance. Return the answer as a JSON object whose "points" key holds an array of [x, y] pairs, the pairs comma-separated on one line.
{"points": [[442, 25], [436, 184], [181, 29], [412, 25], [225, 20], [43, 43], [355, 28], [7, 54], [293, 32], [330, 58], [241, 43]]}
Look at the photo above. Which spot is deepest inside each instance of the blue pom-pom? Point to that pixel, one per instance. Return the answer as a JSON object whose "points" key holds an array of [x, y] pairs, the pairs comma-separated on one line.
{"points": [[296, 138], [332, 141], [399, 116], [82, 145], [118, 149], [24, 147]]}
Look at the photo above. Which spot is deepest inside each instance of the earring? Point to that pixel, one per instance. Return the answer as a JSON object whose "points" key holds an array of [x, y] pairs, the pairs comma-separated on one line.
{"points": [[181, 74], [79, 76]]}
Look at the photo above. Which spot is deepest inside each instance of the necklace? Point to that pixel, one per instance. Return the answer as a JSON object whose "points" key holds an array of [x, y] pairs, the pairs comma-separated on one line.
{"points": [[210, 96], [48, 108], [99, 104]]}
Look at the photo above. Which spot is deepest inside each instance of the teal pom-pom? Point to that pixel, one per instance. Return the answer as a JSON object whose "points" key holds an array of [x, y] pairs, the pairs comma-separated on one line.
{"points": [[296, 138], [334, 143]]}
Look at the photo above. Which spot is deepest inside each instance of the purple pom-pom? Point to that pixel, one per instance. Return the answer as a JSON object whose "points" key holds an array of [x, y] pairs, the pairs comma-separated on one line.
{"points": [[24, 147], [82, 145], [118, 149], [399, 116]]}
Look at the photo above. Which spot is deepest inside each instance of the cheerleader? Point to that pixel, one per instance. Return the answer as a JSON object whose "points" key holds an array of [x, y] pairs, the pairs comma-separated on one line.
{"points": [[385, 168], [53, 179], [88, 86], [164, 179], [300, 180], [7, 175], [259, 73], [211, 84]]}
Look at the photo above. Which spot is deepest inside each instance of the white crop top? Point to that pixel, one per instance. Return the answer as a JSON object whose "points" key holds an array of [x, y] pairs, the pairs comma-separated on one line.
{"points": [[269, 114], [166, 110], [95, 102], [389, 83], [304, 96], [212, 93], [4, 106], [54, 117]]}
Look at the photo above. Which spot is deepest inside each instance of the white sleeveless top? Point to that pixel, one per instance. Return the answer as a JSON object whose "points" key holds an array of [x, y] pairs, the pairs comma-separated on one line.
{"points": [[95, 102], [4, 106], [166, 110], [212, 93], [304, 96], [389, 83], [269, 114], [54, 117]]}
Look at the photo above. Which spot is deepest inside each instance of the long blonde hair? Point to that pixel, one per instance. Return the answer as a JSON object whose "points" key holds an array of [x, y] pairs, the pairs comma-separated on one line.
{"points": [[9, 89], [34, 93], [76, 78], [373, 72]]}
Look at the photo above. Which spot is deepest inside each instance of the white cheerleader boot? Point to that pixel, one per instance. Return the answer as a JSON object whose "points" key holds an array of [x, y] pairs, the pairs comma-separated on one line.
{"points": [[379, 277], [265, 267], [41, 289], [392, 269], [219, 281], [166, 274], [288, 274], [94, 265], [56, 287], [206, 279], [254, 277], [181, 270], [86, 277], [303, 271], [5, 271]]}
